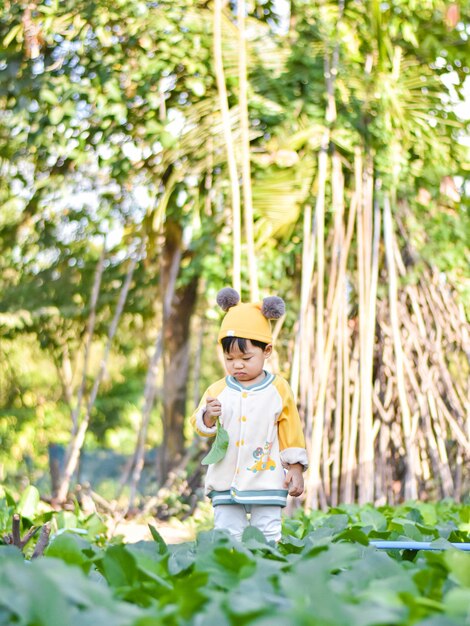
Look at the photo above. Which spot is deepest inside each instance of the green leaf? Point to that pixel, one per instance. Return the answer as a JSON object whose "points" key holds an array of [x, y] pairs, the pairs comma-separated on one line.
{"points": [[190, 594], [14, 32], [69, 548], [150, 564], [66, 520], [62, 582], [95, 527], [251, 533], [10, 553], [353, 534], [162, 547], [374, 518], [219, 447], [459, 565], [47, 95], [119, 566], [457, 602], [181, 558], [30, 597], [9, 499], [56, 115], [28, 503], [196, 86], [226, 566], [167, 139]]}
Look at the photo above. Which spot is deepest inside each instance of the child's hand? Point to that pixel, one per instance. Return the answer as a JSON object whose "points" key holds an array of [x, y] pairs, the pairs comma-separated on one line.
{"points": [[212, 412], [294, 480]]}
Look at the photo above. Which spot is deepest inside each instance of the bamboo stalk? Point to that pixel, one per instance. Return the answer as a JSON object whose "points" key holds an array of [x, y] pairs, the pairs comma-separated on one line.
{"points": [[382, 495], [457, 477], [245, 152], [410, 483], [308, 257], [364, 414], [229, 144], [346, 373], [351, 458], [89, 338], [294, 379], [311, 388], [313, 481], [447, 481], [336, 448], [198, 360], [326, 460], [337, 193], [366, 451], [320, 245]]}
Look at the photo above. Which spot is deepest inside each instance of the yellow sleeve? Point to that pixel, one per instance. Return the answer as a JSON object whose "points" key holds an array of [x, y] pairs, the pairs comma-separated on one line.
{"points": [[196, 420], [290, 431]]}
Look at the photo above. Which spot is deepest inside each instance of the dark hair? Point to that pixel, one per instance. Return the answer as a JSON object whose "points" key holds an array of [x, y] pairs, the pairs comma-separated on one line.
{"points": [[229, 342]]}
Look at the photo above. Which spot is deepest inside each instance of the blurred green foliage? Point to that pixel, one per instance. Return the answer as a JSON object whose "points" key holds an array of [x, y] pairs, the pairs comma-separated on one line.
{"points": [[324, 571]]}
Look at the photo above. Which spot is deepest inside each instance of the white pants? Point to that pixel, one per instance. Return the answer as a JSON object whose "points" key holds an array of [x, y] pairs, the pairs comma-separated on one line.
{"points": [[234, 518]]}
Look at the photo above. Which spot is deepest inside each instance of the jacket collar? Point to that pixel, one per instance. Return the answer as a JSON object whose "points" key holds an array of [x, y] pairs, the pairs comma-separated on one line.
{"points": [[262, 384]]}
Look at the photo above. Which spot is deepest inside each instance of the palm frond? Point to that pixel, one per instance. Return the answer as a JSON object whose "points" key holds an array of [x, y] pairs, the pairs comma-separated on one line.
{"points": [[278, 196]]}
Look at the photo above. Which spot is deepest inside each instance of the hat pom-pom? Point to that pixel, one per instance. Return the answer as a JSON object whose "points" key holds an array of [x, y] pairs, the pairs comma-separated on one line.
{"points": [[227, 297], [273, 307]]}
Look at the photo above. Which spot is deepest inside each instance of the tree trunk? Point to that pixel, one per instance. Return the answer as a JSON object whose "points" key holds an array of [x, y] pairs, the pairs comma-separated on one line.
{"points": [[169, 273], [176, 354], [176, 374]]}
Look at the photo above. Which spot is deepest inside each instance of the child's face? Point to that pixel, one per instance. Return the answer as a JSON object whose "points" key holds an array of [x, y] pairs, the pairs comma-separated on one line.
{"points": [[246, 367]]}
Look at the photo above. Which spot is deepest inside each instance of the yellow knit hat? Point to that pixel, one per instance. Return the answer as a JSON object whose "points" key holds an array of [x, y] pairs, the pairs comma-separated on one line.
{"points": [[249, 320]]}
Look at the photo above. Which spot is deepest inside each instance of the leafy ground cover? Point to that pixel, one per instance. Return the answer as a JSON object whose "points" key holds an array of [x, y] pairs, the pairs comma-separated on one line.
{"points": [[324, 572]]}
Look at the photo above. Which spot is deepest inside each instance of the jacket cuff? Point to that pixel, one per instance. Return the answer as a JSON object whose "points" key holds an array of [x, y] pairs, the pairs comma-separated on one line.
{"points": [[289, 456], [202, 429]]}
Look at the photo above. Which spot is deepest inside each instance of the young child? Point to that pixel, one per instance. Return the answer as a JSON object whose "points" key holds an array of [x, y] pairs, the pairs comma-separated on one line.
{"points": [[266, 453]]}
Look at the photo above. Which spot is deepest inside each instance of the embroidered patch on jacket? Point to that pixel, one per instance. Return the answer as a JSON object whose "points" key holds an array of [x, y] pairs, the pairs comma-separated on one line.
{"points": [[263, 461]]}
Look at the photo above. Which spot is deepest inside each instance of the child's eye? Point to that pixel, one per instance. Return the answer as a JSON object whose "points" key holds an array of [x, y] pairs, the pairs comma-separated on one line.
{"points": [[247, 358]]}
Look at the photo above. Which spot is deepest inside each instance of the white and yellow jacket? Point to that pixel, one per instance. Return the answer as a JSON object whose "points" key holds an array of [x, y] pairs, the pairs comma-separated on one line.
{"points": [[265, 435]]}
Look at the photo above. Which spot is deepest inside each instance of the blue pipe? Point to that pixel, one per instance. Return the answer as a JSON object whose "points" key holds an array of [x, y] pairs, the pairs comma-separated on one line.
{"points": [[417, 545]]}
